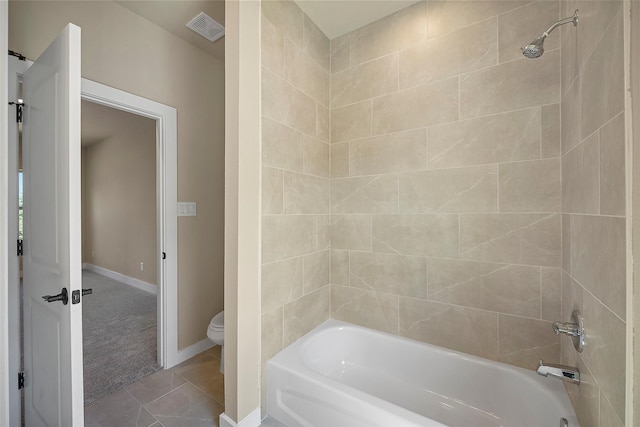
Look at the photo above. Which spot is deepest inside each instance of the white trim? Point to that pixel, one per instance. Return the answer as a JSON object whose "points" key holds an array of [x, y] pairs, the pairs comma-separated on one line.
{"points": [[194, 349], [131, 281], [251, 420], [4, 211], [166, 196]]}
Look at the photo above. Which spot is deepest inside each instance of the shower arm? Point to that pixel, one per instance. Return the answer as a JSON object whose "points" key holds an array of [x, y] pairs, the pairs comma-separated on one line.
{"points": [[572, 19]]}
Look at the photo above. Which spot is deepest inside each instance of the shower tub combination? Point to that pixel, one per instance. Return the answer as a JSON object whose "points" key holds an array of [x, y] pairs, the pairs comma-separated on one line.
{"points": [[342, 375]]}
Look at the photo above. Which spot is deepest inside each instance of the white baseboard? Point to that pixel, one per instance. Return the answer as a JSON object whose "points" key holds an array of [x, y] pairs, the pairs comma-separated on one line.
{"points": [[192, 350], [251, 420], [136, 283]]}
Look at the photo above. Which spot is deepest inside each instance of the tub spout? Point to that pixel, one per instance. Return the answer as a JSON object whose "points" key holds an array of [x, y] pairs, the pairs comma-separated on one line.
{"points": [[564, 373]]}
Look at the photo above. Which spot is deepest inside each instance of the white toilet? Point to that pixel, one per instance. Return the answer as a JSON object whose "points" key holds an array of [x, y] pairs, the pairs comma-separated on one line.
{"points": [[215, 332]]}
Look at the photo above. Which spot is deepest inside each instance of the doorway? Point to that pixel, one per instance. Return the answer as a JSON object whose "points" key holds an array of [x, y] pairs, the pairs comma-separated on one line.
{"points": [[119, 246]]}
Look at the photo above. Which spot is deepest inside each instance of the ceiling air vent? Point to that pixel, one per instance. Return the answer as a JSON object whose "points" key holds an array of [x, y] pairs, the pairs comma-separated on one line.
{"points": [[204, 25]]}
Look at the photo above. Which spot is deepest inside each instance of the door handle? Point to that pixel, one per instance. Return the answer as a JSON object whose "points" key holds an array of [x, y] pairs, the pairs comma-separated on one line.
{"points": [[62, 296]]}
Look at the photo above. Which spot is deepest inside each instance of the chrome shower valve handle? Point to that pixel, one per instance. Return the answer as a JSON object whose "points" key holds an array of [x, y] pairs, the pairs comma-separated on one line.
{"points": [[575, 329]]}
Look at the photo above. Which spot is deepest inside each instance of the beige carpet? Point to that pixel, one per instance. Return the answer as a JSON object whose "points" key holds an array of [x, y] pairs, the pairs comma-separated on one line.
{"points": [[119, 335]]}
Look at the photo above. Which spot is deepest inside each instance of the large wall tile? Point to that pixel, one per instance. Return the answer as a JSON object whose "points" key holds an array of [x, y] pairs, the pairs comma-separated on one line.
{"points": [[339, 267], [585, 396], [570, 112], [324, 232], [287, 16], [398, 152], [446, 16], [305, 313], [394, 274], [550, 132], [281, 146], [373, 194], [472, 189], [602, 81], [341, 53], [305, 194], [272, 333], [281, 283], [339, 160], [306, 74], [284, 103], [272, 189], [272, 48], [523, 342], [366, 308], [581, 178], [476, 331], [530, 186], [493, 139], [316, 270], [529, 239], [351, 232], [323, 123], [364, 81], [566, 243], [608, 416], [459, 52], [351, 122], [422, 235], [511, 86], [519, 27], [417, 107], [605, 351], [390, 34], [504, 288], [316, 44], [315, 157], [551, 294], [595, 19], [286, 236], [598, 258], [612, 167]]}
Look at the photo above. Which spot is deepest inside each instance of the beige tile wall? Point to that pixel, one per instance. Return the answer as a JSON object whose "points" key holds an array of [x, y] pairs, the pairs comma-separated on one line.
{"points": [[295, 176], [419, 165], [593, 192], [446, 191]]}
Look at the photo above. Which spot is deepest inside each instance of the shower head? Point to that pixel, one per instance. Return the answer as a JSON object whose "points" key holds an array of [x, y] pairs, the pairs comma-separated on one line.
{"points": [[535, 49]]}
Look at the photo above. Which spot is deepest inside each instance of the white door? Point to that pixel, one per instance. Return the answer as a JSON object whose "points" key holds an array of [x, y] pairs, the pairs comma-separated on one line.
{"points": [[52, 241]]}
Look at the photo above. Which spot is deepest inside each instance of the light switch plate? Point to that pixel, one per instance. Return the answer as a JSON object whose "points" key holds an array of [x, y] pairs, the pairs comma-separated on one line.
{"points": [[186, 208]]}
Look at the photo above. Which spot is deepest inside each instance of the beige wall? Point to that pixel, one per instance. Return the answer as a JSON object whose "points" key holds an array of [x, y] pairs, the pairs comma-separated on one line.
{"points": [[119, 200], [593, 173], [446, 184], [295, 177], [123, 50]]}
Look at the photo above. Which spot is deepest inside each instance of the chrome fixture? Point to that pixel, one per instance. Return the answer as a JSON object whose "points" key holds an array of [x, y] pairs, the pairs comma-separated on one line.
{"points": [[564, 373], [575, 329], [535, 49]]}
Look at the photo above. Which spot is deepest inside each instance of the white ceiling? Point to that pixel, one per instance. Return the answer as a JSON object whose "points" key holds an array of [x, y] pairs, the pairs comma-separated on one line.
{"points": [[338, 17]]}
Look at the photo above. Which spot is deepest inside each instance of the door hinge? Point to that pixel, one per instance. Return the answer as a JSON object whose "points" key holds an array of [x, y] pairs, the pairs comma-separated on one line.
{"points": [[20, 380], [19, 108], [20, 248], [164, 255], [20, 56]]}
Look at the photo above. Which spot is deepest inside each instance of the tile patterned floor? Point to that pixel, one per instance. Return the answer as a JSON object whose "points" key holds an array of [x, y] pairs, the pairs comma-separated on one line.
{"points": [[190, 394]]}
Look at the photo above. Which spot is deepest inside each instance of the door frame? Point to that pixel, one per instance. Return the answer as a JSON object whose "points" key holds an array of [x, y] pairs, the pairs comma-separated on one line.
{"points": [[166, 200]]}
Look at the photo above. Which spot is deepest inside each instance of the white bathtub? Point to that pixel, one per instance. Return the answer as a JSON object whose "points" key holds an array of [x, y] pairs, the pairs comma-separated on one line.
{"points": [[342, 375]]}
